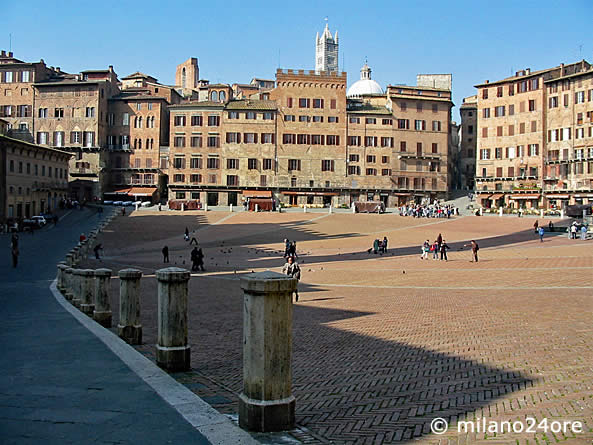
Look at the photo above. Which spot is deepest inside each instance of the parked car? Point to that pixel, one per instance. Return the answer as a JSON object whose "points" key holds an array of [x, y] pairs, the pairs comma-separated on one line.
{"points": [[40, 220]]}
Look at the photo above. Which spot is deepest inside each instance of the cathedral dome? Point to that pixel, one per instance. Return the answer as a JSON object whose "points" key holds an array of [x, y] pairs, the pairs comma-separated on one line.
{"points": [[365, 85]]}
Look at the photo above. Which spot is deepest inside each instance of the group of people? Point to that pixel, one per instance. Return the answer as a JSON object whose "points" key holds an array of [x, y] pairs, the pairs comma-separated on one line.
{"points": [[379, 246], [574, 231], [439, 246], [434, 210], [290, 249]]}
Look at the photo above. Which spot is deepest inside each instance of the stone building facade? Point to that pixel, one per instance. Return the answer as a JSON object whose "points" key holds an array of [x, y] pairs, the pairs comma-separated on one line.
{"points": [[468, 143], [527, 155], [33, 179], [308, 144]]}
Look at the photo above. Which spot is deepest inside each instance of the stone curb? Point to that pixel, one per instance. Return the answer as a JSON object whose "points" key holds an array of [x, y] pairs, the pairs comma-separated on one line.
{"points": [[216, 427]]}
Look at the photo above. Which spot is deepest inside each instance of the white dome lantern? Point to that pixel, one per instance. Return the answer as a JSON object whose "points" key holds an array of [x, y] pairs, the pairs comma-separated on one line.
{"points": [[364, 86]]}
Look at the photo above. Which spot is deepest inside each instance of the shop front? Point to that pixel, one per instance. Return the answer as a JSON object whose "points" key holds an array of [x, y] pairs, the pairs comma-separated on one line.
{"points": [[526, 201]]}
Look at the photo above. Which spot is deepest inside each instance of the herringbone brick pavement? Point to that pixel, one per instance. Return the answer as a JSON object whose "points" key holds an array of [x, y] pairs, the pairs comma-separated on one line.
{"points": [[384, 344]]}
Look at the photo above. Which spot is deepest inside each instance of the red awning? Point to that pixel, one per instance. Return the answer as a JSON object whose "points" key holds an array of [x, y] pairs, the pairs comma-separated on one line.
{"points": [[497, 196], [142, 191], [312, 193], [257, 193], [122, 191], [526, 196]]}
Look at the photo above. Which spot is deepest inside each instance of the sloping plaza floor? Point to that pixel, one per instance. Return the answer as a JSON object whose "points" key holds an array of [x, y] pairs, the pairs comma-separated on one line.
{"points": [[384, 344]]}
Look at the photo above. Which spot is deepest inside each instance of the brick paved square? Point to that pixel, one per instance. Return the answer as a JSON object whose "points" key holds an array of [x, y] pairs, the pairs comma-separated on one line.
{"points": [[385, 343]]}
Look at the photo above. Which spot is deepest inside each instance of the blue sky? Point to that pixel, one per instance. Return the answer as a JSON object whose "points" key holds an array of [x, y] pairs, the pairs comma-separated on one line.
{"points": [[237, 40]]}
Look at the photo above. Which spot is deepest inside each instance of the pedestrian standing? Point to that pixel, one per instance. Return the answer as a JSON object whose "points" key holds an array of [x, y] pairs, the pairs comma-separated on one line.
{"points": [[434, 248], [573, 230], [385, 244], [292, 269], [583, 232], [540, 231], [14, 249], [97, 248], [475, 249], [425, 250], [535, 226], [165, 254], [444, 248], [194, 259], [376, 245]]}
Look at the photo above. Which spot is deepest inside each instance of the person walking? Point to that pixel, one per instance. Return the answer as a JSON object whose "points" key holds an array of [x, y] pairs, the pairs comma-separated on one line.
{"points": [[536, 226], [583, 232], [292, 269], [97, 248], [384, 244], [540, 231], [444, 247], [425, 250], [573, 230], [200, 262], [194, 259], [14, 249], [186, 234], [165, 254], [193, 238]]}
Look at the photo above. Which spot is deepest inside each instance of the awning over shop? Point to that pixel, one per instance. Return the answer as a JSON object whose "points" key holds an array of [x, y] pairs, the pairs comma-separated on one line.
{"points": [[557, 196], [257, 193], [497, 196], [580, 195], [142, 191], [121, 192], [312, 193], [526, 196]]}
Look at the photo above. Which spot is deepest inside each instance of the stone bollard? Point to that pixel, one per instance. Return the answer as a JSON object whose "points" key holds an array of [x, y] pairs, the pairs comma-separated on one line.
{"points": [[68, 284], [129, 327], [231, 208], [562, 214], [500, 212], [87, 291], [481, 211], [330, 210], [76, 287], [205, 206], [256, 208], [70, 259], [172, 349], [353, 209], [305, 208], [541, 213], [60, 278], [102, 312], [267, 403]]}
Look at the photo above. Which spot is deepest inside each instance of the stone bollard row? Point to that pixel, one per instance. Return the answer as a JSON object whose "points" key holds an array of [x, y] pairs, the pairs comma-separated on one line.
{"points": [[60, 277], [129, 327], [267, 403], [102, 313], [172, 350]]}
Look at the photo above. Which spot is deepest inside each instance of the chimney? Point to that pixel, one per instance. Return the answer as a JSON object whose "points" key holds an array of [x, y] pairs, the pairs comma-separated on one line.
{"points": [[561, 69], [528, 71], [487, 81], [110, 68], [10, 54], [58, 69], [3, 53]]}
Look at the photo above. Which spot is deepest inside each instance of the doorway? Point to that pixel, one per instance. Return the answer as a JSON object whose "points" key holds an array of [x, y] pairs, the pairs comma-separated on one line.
{"points": [[212, 198], [232, 198]]}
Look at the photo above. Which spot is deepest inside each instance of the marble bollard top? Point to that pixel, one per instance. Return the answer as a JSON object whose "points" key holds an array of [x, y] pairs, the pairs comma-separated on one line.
{"points": [[130, 274], [173, 274], [268, 281], [103, 272]]}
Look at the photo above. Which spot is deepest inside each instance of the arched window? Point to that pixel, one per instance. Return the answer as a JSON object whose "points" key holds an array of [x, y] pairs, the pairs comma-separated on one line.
{"points": [[148, 144], [136, 122], [151, 143], [183, 78], [140, 122], [222, 96], [139, 144], [214, 96]]}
